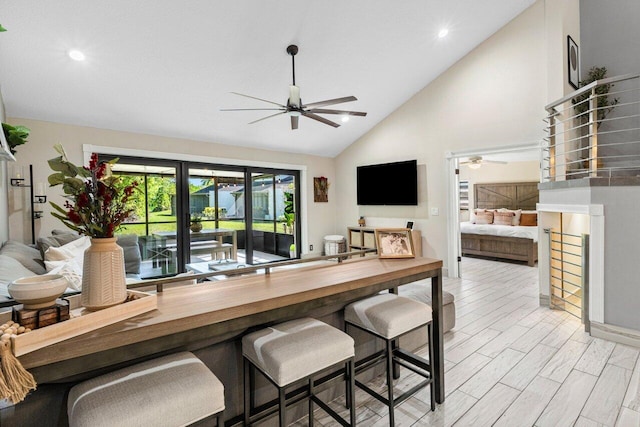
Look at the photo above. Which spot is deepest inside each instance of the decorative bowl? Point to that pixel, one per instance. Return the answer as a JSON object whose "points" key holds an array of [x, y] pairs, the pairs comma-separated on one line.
{"points": [[38, 291]]}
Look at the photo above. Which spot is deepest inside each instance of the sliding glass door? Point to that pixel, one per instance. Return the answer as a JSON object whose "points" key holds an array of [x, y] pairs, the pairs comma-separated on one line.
{"points": [[194, 216]]}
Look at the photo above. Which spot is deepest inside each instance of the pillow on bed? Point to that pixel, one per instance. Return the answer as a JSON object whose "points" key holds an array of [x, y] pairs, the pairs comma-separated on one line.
{"points": [[516, 215], [503, 218], [529, 219], [473, 215], [485, 217]]}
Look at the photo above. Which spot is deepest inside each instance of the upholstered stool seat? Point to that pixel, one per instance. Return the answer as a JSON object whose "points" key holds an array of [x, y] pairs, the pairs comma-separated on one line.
{"points": [[174, 390], [389, 316], [291, 352]]}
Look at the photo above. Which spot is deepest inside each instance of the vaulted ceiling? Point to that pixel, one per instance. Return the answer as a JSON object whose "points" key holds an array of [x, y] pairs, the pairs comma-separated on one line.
{"points": [[167, 67]]}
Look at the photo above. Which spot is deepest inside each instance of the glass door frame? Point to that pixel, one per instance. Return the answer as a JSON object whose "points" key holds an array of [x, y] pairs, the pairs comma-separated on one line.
{"points": [[183, 216]]}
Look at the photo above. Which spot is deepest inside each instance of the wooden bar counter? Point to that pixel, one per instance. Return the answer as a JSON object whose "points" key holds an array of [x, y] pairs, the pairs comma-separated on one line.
{"points": [[195, 316]]}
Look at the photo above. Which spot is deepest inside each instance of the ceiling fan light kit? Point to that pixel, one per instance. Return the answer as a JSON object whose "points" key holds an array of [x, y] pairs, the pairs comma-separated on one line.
{"points": [[295, 108], [474, 162]]}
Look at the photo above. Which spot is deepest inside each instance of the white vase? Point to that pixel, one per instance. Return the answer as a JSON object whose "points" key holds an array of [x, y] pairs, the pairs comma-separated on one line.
{"points": [[103, 277]]}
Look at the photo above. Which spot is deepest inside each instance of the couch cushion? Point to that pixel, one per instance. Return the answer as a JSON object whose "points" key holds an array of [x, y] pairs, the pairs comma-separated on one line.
{"points": [[132, 258], [11, 269], [28, 256]]}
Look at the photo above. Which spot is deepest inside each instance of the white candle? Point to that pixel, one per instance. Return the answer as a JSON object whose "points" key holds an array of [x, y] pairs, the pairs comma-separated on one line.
{"points": [[17, 172], [39, 189]]}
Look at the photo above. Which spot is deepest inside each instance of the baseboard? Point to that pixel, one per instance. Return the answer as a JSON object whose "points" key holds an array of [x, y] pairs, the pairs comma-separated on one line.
{"points": [[615, 333], [544, 300]]}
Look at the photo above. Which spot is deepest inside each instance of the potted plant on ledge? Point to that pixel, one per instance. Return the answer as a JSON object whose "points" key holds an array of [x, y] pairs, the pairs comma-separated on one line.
{"points": [[97, 204]]}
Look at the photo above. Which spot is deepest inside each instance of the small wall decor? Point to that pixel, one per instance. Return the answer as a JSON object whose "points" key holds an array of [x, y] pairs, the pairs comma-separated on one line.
{"points": [[394, 243], [573, 61], [320, 189]]}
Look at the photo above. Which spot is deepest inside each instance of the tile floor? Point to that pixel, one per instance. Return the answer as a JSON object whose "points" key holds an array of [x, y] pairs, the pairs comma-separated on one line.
{"points": [[510, 362]]}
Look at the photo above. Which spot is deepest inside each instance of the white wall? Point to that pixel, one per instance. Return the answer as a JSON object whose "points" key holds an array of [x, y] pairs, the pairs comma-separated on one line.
{"points": [[610, 35], [319, 216], [494, 96]]}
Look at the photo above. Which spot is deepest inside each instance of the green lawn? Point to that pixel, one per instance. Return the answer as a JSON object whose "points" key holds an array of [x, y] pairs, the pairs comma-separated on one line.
{"points": [[164, 221]]}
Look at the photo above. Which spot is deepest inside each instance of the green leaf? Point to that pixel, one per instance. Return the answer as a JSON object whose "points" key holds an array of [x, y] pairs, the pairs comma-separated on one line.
{"points": [[56, 179], [2, 29], [58, 208], [73, 185]]}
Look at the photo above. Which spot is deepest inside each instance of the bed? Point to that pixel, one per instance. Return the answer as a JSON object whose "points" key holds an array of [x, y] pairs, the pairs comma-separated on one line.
{"points": [[503, 242]]}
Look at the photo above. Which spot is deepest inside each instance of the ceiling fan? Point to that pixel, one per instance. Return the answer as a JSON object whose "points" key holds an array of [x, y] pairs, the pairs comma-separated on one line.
{"points": [[295, 108], [474, 162]]}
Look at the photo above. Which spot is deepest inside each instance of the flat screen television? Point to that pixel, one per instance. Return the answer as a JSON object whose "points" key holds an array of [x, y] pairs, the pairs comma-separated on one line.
{"points": [[393, 184]]}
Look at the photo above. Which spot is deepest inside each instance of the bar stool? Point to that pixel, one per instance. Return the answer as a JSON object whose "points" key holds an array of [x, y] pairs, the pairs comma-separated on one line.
{"points": [[174, 390], [389, 316], [290, 354]]}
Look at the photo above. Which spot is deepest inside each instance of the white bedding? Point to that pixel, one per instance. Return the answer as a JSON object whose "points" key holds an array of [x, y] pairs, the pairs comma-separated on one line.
{"points": [[500, 230]]}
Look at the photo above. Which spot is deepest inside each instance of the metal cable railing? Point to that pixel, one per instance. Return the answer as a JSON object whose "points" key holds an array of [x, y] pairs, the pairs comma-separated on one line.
{"points": [[594, 131]]}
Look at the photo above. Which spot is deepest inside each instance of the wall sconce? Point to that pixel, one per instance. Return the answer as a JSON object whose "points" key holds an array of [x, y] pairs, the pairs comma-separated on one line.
{"points": [[17, 180]]}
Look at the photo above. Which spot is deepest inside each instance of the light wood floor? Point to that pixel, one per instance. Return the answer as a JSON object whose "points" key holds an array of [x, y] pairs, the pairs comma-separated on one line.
{"points": [[510, 362]]}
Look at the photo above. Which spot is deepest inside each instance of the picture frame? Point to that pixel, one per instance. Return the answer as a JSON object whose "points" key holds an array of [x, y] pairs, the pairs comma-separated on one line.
{"points": [[573, 63], [394, 243]]}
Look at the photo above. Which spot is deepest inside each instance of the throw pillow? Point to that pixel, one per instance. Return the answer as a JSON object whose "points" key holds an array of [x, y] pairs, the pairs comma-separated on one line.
{"points": [[516, 215], [28, 256], [529, 219], [473, 215], [503, 218], [71, 271], [56, 240], [485, 217], [55, 257]]}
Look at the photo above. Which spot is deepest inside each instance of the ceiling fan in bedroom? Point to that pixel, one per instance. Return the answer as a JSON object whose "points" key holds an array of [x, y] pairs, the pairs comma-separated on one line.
{"points": [[474, 162], [294, 107]]}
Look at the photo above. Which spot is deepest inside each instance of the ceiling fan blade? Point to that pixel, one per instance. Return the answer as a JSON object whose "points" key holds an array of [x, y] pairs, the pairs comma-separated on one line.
{"points": [[294, 122], [331, 102], [342, 112], [253, 109], [265, 118], [320, 119], [497, 162], [259, 99]]}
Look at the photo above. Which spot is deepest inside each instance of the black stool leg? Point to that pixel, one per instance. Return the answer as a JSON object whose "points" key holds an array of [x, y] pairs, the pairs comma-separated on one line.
{"points": [[282, 402], [247, 391], [432, 386], [351, 387], [311, 420], [390, 381]]}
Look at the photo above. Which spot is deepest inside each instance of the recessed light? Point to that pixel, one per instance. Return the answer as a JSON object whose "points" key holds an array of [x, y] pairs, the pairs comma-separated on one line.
{"points": [[443, 33], [345, 119], [76, 55]]}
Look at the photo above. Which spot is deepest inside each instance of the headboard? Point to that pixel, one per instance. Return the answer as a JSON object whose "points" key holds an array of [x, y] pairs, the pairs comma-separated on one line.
{"points": [[510, 195]]}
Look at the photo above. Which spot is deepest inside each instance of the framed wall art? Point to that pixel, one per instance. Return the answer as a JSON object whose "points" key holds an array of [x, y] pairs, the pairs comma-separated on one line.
{"points": [[573, 61]]}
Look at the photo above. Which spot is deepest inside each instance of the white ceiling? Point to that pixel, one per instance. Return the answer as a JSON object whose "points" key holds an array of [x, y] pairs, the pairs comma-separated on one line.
{"points": [[166, 67]]}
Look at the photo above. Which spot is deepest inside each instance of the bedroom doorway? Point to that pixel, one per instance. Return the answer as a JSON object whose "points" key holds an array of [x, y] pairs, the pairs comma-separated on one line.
{"points": [[508, 164]]}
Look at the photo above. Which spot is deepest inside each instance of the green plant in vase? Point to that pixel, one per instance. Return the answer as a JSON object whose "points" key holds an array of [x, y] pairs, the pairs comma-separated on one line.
{"points": [[196, 223]]}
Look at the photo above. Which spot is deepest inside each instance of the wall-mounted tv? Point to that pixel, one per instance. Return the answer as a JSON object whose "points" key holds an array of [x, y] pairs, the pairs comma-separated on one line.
{"points": [[394, 184]]}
